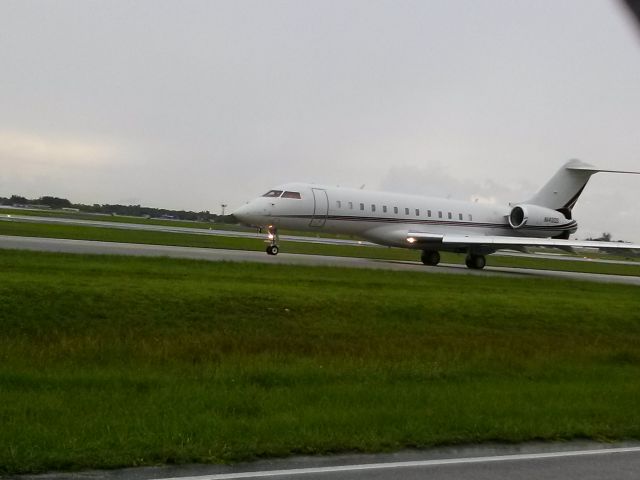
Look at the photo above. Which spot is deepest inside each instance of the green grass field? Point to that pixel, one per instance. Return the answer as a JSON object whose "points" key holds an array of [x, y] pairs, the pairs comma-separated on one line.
{"points": [[209, 241], [117, 218], [116, 361], [148, 221]]}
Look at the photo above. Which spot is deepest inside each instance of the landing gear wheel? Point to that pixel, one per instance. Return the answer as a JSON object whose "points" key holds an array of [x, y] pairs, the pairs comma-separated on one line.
{"points": [[273, 240], [430, 257], [475, 262]]}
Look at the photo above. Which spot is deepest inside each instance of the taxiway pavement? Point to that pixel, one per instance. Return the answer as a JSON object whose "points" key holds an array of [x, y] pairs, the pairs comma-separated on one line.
{"points": [[568, 461], [255, 235], [113, 248]]}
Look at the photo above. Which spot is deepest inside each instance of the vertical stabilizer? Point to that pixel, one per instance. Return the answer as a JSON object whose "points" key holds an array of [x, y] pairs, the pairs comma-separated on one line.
{"points": [[562, 191]]}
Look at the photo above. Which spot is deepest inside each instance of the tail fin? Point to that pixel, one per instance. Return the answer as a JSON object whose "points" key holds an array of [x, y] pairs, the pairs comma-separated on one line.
{"points": [[561, 192]]}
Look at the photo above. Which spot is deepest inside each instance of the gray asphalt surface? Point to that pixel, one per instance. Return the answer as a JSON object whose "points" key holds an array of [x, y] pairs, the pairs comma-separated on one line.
{"points": [[567, 461], [113, 248], [247, 234]]}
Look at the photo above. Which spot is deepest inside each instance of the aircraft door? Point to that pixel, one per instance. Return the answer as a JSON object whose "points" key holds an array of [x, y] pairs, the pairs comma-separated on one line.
{"points": [[320, 207]]}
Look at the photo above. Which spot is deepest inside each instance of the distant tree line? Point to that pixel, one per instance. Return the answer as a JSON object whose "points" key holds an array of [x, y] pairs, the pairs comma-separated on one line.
{"points": [[51, 202], [128, 210]]}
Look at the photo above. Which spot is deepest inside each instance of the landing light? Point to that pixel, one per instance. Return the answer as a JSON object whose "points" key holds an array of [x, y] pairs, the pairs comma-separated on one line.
{"points": [[270, 236], [411, 240]]}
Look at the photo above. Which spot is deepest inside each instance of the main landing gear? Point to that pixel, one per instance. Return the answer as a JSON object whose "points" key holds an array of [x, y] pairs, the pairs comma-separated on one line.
{"points": [[272, 235], [475, 262], [430, 257]]}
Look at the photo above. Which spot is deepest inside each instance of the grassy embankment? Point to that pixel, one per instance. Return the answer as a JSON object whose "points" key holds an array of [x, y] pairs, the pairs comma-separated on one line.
{"points": [[211, 241], [112, 361]]}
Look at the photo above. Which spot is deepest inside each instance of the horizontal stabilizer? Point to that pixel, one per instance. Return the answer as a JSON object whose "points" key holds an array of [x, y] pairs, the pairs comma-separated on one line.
{"points": [[562, 191], [591, 168]]}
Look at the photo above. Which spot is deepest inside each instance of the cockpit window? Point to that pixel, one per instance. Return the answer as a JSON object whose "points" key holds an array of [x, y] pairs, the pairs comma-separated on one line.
{"points": [[273, 193], [291, 195]]}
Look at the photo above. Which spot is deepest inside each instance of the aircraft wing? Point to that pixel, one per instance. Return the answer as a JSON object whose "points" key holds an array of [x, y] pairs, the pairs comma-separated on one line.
{"points": [[500, 242]]}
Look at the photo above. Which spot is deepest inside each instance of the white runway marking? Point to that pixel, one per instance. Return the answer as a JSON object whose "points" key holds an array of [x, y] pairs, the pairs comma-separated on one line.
{"points": [[398, 465]]}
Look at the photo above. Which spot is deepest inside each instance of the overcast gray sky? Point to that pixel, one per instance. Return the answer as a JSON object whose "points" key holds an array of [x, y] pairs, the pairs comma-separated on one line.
{"points": [[188, 104]]}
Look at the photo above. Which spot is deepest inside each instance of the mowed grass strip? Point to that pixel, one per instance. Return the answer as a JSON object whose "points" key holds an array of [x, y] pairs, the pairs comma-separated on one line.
{"points": [[212, 241], [149, 221], [113, 218], [119, 361]]}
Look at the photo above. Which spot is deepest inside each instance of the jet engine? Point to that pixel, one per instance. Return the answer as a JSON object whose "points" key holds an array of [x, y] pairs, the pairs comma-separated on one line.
{"points": [[535, 216]]}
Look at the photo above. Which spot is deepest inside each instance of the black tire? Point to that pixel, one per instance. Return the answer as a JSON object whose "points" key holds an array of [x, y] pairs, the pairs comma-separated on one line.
{"points": [[272, 250], [430, 257], [475, 262]]}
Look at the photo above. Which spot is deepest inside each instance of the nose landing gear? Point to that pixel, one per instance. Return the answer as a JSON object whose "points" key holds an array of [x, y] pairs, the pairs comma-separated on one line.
{"points": [[273, 239]]}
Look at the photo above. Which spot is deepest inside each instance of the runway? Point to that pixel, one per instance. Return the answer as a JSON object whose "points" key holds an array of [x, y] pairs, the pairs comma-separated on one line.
{"points": [[260, 236], [113, 248], [569, 461]]}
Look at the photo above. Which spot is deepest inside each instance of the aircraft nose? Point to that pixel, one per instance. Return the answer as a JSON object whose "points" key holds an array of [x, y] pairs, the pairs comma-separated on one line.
{"points": [[241, 212]]}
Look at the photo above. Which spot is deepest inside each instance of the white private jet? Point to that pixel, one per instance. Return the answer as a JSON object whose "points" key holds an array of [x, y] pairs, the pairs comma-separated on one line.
{"points": [[431, 224]]}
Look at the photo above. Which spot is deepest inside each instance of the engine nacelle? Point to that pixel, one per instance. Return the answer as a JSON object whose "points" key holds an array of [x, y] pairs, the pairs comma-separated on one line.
{"points": [[535, 216]]}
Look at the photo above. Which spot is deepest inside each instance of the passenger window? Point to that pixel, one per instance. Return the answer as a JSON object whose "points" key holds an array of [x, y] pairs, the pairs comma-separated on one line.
{"points": [[395, 209], [428, 213], [384, 208], [373, 208], [350, 205], [406, 211], [362, 206], [450, 216], [417, 212], [292, 195], [273, 193], [440, 214], [470, 217], [459, 216], [339, 204]]}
